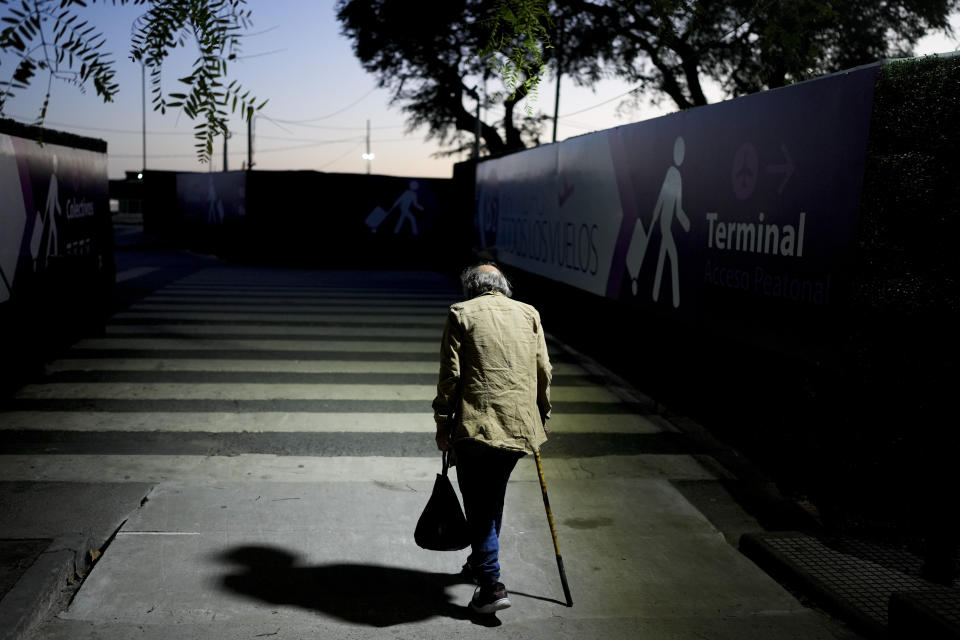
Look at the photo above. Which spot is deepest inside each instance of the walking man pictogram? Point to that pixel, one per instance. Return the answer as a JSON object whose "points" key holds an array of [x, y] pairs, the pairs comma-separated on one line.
{"points": [[406, 200], [669, 206]]}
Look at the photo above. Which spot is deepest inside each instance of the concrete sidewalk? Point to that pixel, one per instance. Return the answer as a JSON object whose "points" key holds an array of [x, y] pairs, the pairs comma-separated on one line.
{"points": [[331, 555]]}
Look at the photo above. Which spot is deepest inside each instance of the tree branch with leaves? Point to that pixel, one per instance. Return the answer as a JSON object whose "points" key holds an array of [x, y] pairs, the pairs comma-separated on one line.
{"points": [[518, 44], [50, 36]]}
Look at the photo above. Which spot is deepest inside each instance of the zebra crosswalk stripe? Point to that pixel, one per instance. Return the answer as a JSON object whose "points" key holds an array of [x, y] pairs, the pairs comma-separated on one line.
{"points": [[218, 356]]}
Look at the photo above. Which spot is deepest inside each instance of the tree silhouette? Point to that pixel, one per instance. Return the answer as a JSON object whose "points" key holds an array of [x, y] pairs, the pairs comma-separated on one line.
{"points": [[436, 62], [670, 47]]}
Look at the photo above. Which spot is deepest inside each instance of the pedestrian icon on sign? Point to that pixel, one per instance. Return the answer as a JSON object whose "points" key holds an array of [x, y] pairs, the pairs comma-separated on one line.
{"points": [[404, 203], [669, 206], [406, 200]]}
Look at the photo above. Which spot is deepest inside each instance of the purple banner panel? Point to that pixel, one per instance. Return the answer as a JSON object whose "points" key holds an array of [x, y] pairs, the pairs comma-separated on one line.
{"points": [[745, 203], [55, 211], [739, 216], [210, 199], [553, 211]]}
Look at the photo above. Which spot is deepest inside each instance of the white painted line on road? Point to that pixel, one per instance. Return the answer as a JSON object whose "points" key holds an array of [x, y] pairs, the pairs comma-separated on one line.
{"points": [[276, 316], [242, 287], [312, 469], [298, 309], [277, 421], [136, 272], [158, 533], [254, 366], [294, 301], [215, 391], [200, 344], [275, 330], [254, 391], [221, 422], [333, 297]]}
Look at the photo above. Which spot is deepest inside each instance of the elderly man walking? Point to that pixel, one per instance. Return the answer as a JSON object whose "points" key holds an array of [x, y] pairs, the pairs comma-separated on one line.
{"points": [[492, 405]]}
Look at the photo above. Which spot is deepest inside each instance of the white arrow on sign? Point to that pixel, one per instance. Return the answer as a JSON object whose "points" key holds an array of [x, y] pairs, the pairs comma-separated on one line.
{"points": [[786, 168]]}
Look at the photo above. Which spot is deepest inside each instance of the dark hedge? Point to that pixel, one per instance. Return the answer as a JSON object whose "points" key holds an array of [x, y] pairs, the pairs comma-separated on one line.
{"points": [[891, 438], [910, 211]]}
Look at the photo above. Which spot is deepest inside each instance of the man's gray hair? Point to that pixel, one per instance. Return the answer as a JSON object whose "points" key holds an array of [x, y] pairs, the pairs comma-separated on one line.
{"points": [[476, 280]]}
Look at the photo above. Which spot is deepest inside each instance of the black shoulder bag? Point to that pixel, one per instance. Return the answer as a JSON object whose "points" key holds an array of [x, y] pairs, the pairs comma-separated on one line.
{"points": [[442, 525]]}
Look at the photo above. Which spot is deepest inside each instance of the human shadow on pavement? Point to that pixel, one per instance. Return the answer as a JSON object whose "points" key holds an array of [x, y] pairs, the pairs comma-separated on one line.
{"points": [[367, 594]]}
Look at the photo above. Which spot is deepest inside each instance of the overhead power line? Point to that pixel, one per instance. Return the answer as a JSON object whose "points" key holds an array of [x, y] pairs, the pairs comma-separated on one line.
{"points": [[396, 140], [305, 140], [341, 157], [329, 115], [305, 146], [322, 126], [261, 32], [600, 104], [180, 133], [581, 125], [260, 55], [102, 129], [242, 152]]}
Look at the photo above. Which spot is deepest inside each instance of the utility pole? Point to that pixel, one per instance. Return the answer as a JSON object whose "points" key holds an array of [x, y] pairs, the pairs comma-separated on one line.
{"points": [[556, 101], [250, 142], [368, 156], [143, 102], [226, 136], [481, 95], [476, 134]]}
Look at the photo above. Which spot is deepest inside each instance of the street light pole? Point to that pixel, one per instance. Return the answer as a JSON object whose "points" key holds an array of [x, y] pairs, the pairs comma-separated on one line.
{"points": [[250, 142], [368, 156], [476, 133], [143, 102], [226, 136], [556, 100]]}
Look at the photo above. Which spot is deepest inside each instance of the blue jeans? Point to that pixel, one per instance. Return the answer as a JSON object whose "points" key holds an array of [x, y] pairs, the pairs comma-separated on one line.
{"points": [[482, 473]]}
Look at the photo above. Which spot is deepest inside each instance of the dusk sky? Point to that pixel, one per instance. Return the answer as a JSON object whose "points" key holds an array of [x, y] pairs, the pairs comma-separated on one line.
{"points": [[319, 101]]}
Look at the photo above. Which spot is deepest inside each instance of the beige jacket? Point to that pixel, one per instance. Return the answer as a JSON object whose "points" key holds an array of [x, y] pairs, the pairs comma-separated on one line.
{"points": [[495, 374]]}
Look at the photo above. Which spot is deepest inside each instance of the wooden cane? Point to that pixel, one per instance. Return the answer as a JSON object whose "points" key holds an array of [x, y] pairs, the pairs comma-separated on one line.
{"points": [[553, 531]]}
